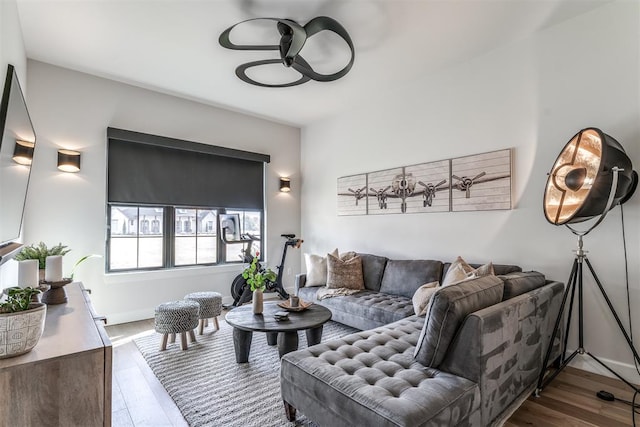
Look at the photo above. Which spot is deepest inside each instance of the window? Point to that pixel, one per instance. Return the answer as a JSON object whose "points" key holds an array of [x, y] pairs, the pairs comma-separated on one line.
{"points": [[197, 245], [165, 196], [134, 245], [251, 225]]}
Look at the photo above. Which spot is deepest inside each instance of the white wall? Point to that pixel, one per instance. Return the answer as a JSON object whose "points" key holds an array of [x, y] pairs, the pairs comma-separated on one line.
{"points": [[532, 95], [11, 52], [73, 110]]}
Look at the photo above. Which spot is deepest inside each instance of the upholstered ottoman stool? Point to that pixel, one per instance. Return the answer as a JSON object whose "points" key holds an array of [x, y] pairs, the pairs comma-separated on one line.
{"points": [[177, 317], [210, 307]]}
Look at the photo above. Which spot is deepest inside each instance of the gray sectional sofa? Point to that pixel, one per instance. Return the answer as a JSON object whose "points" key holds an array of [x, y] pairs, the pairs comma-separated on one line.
{"points": [[468, 362]]}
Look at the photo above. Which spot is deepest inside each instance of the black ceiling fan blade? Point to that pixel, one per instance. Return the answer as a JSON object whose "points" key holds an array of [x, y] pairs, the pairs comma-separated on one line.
{"points": [[241, 72], [226, 42]]}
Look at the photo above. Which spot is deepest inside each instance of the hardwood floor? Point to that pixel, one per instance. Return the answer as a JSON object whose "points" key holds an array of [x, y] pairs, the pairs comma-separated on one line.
{"points": [[570, 400]]}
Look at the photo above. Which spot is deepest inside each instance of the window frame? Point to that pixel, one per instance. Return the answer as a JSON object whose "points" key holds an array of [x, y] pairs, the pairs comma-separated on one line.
{"points": [[169, 235]]}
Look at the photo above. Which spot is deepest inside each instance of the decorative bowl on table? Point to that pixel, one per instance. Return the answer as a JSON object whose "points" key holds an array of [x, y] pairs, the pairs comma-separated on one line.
{"points": [[302, 305]]}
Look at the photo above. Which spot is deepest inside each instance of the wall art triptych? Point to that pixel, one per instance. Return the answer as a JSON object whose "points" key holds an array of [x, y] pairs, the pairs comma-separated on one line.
{"points": [[470, 183]]}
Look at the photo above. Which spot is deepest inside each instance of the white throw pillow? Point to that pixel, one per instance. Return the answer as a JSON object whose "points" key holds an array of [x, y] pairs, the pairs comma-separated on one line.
{"points": [[460, 271], [317, 269], [422, 296]]}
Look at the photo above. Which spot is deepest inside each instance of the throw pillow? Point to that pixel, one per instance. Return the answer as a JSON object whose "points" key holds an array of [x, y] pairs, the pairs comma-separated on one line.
{"points": [[344, 274], [422, 297], [455, 274], [518, 283], [460, 269], [446, 312], [317, 269]]}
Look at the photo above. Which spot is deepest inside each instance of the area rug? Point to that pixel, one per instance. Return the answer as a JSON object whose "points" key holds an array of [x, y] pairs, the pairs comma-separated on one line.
{"points": [[211, 389]]}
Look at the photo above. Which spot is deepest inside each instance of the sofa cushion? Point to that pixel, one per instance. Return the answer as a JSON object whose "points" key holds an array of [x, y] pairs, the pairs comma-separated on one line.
{"points": [[404, 277], [518, 283], [422, 297], [317, 268], [365, 309], [446, 312], [344, 274], [372, 270]]}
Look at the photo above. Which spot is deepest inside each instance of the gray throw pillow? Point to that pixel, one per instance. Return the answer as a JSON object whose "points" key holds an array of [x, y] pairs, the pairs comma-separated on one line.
{"points": [[519, 283], [344, 273], [446, 312]]}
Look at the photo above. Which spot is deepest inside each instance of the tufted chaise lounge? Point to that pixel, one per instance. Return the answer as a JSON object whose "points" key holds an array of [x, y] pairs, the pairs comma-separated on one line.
{"points": [[478, 369]]}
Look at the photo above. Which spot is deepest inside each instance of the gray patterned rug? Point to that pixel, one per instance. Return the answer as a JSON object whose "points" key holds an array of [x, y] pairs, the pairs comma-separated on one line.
{"points": [[211, 389]]}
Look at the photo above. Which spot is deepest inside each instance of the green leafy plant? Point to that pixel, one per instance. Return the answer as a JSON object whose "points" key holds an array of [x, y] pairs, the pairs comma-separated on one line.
{"points": [[18, 299], [256, 276], [80, 261], [41, 252]]}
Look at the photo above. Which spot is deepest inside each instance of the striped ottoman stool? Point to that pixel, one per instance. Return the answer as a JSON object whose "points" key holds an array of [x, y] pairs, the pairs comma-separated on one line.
{"points": [[177, 317], [210, 307]]}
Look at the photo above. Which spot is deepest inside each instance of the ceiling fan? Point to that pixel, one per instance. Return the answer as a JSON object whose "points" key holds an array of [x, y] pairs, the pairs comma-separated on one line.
{"points": [[292, 39]]}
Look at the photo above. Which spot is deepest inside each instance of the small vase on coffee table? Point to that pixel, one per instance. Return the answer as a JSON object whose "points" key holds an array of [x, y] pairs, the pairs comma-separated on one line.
{"points": [[257, 300]]}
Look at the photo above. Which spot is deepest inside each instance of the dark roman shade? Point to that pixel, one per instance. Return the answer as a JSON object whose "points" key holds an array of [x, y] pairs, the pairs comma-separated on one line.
{"points": [[155, 170]]}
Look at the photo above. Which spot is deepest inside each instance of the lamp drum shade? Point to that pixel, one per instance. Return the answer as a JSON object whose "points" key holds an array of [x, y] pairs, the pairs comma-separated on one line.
{"points": [[580, 181], [69, 160], [285, 185], [23, 152]]}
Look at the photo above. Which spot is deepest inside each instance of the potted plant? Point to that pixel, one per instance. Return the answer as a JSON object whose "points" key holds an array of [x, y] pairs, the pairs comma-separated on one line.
{"points": [[41, 252], [21, 321], [257, 278]]}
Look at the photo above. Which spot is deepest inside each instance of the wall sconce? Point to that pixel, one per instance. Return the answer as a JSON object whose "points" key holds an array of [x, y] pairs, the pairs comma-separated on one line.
{"points": [[23, 152], [69, 160], [285, 185]]}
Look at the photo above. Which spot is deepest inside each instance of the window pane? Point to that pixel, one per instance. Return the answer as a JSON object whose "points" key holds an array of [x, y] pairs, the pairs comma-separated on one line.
{"points": [[185, 240], [206, 241], [250, 221], [206, 249], [123, 251], [150, 252]]}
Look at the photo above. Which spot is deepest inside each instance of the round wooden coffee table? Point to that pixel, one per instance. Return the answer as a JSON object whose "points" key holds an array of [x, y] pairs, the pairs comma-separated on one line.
{"points": [[284, 333]]}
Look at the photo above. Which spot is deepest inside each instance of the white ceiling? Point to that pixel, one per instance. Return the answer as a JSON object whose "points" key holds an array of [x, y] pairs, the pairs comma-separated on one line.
{"points": [[172, 46]]}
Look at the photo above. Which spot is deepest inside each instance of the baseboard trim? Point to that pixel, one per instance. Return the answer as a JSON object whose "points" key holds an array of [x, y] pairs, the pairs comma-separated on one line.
{"points": [[625, 370]]}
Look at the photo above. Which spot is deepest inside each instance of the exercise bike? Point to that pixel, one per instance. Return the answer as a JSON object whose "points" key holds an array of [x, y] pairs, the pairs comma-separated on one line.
{"points": [[240, 290]]}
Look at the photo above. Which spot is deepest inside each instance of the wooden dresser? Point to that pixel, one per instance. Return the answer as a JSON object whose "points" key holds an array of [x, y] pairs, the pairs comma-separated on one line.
{"points": [[66, 379]]}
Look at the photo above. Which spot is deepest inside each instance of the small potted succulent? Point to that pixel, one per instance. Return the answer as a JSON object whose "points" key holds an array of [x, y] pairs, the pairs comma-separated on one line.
{"points": [[21, 321], [257, 278]]}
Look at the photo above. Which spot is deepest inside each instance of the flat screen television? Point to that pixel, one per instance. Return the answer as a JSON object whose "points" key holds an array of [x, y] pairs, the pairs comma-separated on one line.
{"points": [[16, 151]]}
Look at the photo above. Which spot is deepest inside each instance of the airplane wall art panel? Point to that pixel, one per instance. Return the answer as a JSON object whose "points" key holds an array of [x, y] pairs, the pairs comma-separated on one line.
{"points": [[352, 195], [481, 182], [387, 191], [470, 183], [429, 185]]}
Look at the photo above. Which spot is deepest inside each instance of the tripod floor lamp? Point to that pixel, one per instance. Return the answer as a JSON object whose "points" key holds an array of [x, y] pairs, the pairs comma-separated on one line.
{"points": [[591, 176]]}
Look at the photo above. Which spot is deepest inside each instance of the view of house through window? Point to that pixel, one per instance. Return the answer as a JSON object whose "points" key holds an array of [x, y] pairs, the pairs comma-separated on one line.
{"points": [[136, 237], [140, 239], [195, 236]]}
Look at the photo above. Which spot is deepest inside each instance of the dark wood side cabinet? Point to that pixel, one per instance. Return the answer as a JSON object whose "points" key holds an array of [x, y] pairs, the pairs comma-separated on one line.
{"points": [[66, 379]]}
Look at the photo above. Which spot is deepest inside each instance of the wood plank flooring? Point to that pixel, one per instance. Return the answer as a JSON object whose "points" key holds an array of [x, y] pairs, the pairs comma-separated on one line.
{"points": [[570, 400]]}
